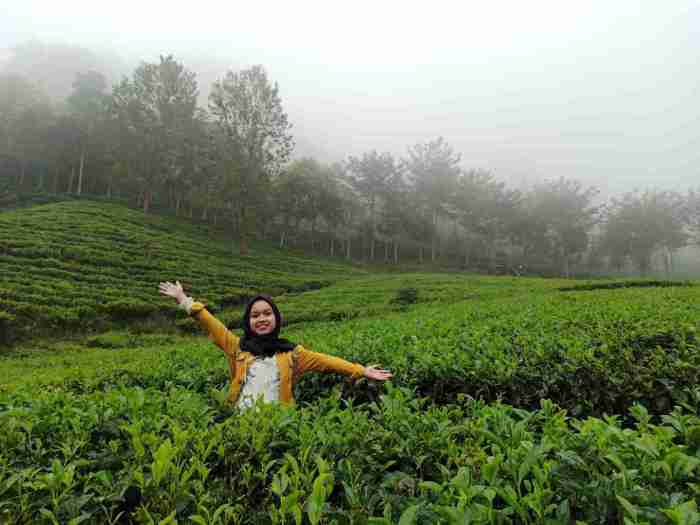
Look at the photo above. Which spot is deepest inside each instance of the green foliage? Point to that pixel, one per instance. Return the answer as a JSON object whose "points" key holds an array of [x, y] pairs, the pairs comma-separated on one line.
{"points": [[6, 321], [511, 403], [79, 265], [631, 283], [406, 296], [639, 224], [156, 454]]}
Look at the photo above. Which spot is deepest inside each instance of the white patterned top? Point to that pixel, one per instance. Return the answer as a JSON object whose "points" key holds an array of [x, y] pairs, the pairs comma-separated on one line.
{"points": [[262, 380]]}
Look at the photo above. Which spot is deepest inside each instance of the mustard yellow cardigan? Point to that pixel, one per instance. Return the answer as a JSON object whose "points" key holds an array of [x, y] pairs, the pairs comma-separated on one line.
{"points": [[292, 365]]}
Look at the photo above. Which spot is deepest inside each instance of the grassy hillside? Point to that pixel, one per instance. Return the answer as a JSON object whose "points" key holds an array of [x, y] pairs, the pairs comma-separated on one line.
{"points": [[522, 401], [517, 403], [74, 266]]}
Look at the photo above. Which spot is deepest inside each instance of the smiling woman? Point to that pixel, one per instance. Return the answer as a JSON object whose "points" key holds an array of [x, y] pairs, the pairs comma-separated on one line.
{"points": [[261, 364]]}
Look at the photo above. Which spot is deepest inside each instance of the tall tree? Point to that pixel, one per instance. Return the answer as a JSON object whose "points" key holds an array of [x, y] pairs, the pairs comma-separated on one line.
{"points": [[486, 209], [396, 216], [16, 96], [692, 213], [248, 109], [88, 104], [433, 168], [370, 176], [156, 109], [25, 116], [291, 191], [63, 143], [323, 202], [330, 208], [639, 224], [567, 209]]}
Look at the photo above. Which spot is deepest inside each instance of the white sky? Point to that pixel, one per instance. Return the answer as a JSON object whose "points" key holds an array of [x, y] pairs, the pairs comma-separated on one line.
{"points": [[604, 91]]}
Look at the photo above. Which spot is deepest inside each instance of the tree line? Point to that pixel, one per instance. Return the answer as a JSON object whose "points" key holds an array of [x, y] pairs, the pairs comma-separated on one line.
{"points": [[148, 140]]}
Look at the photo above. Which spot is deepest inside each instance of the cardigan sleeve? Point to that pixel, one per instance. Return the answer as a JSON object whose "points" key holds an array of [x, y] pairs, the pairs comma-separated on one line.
{"points": [[318, 362], [222, 336]]}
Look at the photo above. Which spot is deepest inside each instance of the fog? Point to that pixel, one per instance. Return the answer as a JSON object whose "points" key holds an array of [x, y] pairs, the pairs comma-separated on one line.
{"points": [[603, 92]]}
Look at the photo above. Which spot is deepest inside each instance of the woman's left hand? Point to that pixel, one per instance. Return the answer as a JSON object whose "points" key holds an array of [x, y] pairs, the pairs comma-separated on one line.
{"points": [[377, 374]]}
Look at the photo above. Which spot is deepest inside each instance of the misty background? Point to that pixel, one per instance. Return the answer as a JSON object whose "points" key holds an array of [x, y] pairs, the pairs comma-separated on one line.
{"points": [[605, 92], [601, 93]]}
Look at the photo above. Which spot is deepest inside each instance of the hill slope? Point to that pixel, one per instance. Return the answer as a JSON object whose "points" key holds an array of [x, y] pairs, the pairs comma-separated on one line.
{"points": [[516, 404], [80, 265]]}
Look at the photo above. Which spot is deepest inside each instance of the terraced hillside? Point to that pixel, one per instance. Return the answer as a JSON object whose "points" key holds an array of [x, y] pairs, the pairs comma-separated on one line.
{"points": [[514, 401], [74, 266]]}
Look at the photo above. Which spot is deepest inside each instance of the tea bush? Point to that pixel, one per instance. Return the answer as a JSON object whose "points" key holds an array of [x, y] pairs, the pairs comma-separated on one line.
{"points": [[146, 455], [406, 296], [140, 434], [630, 283], [81, 265], [511, 402]]}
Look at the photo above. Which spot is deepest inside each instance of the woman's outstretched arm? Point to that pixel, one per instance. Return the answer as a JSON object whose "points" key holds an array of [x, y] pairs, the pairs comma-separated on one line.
{"points": [[318, 362], [221, 335]]}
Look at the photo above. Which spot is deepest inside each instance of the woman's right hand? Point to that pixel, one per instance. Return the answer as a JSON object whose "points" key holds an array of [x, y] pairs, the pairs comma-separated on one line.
{"points": [[172, 290]]}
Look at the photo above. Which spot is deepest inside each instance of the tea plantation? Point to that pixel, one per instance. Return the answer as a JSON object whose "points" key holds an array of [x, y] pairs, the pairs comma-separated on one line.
{"points": [[80, 265], [513, 400]]}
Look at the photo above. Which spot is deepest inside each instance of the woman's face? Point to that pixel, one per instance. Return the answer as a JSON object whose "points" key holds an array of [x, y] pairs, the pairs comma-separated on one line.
{"points": [[262, 318]]}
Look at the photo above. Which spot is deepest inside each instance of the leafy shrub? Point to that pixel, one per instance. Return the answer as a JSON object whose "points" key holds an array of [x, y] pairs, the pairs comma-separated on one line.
{"points": [[105, 255], [110, 340], [6, 322], [624, 284], [125, 310], [172, 453], [405, 296]]}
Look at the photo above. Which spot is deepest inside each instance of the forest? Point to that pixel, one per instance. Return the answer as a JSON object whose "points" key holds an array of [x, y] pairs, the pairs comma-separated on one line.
{"points": [[152, 140]]}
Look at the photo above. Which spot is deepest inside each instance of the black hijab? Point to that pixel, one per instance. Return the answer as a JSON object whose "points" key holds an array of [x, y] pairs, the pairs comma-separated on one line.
{"points": [[264, 345]]}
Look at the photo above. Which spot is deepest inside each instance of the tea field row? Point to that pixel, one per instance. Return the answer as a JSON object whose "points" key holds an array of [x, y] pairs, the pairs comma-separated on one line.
{"points": [[80, 266]]}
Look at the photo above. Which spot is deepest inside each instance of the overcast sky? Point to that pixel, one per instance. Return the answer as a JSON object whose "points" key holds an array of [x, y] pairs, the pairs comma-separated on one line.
{"points": [[604, 91]]}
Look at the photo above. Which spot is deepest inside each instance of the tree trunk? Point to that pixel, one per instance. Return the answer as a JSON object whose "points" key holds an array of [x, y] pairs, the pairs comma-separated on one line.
{"points": [[372, 230], [313, 236], [671, 262], [420, 255], [332, 247], [146, 200], [433, 246], [282, 236], [56, 176], [80, 172], [386, 252], [347, 249], [396, 252], [71, 178], [243, 233], [178, 200], [22, 169], [491, 249]]}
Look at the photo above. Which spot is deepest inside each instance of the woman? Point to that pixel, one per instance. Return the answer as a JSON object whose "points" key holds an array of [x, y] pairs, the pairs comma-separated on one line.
{"points": [[260, 363]]}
